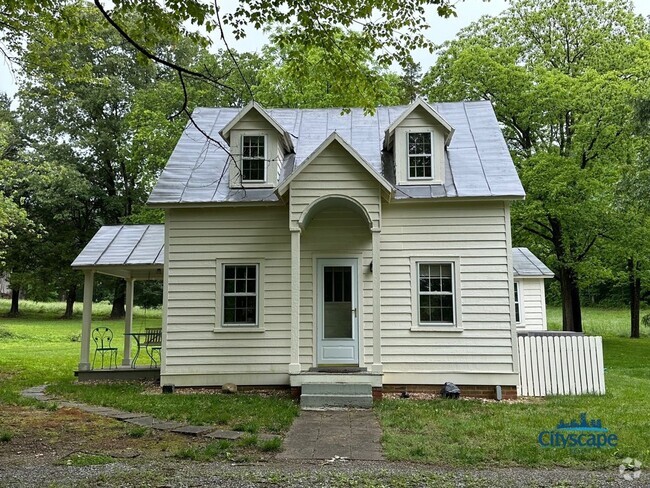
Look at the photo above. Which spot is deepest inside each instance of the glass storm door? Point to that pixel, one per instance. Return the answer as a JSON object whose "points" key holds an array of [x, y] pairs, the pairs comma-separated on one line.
{"points": [[337, 315]]}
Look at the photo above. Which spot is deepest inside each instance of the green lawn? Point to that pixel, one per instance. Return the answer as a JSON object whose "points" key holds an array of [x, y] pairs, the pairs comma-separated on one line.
{"points": [[472, 432], [38, 347]]}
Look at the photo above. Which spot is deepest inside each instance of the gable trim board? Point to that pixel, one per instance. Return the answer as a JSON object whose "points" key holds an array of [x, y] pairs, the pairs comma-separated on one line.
{"points": [[336, 198]]}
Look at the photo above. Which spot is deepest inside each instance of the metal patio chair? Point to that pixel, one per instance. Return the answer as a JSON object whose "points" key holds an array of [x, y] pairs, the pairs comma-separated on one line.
{"points": [[103, 338], [153, 343]]}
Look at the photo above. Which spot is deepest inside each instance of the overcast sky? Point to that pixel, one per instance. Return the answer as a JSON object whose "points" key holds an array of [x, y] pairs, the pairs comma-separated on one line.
{"points": [[440, 31]]}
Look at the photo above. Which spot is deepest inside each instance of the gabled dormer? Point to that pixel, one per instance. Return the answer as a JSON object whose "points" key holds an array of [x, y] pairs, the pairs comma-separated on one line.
{"points": [[258, 145], [417, 140]]}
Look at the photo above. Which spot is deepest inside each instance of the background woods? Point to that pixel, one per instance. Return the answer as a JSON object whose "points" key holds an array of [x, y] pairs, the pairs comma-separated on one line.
{"points": [[105, 93]]}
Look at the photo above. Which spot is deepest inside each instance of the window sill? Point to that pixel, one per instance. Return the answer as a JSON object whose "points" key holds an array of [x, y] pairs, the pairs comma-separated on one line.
{"points": [[236, 329], [252, 185], [423, 182], [436, 328]]}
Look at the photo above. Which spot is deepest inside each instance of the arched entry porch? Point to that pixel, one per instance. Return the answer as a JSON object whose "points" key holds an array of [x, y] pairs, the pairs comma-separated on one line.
{"points": [[335, 285]]}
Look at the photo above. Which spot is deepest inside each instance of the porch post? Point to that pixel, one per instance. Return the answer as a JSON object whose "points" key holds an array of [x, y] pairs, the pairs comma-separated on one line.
{"points": [[376, 302], [128, 322], [89, 277], [294, 365]]}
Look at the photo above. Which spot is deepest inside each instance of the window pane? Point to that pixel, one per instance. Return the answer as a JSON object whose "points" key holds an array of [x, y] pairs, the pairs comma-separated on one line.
{"points": [[253, 154], [420, 166], [240, 287], [229, 286], [436, 293], [419, 143]]}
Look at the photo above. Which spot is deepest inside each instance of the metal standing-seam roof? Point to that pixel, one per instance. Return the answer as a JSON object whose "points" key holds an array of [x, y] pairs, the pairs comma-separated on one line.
{"points": [[526, 264], [124, 246], [477, 162]]}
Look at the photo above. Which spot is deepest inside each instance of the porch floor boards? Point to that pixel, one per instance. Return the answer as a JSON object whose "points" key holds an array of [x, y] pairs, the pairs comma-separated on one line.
{"points": [[121, 373]]}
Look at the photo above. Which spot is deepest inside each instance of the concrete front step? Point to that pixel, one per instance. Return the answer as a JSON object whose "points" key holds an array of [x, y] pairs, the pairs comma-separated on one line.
{"points": [[324, 395]]}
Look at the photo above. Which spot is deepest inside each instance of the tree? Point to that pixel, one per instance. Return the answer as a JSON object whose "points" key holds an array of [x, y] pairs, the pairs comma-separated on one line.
{"points": [[410, 81], [303, 76], [109, 121], [390, 29], [561, 76]]}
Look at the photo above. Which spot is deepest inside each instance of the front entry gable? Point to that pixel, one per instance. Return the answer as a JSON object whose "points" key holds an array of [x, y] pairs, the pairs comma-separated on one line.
{"points": [[335, 174]]}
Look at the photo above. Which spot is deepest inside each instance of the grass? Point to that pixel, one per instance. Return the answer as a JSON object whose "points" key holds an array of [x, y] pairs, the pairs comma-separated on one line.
{"points": [[38, 347], [609, 322], [86, 459], [475, 433]]}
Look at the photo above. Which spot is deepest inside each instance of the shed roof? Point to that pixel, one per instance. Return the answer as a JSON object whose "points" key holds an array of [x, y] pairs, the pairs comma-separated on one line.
{"points": [[526, 264], [125, 250], [477, 161]]}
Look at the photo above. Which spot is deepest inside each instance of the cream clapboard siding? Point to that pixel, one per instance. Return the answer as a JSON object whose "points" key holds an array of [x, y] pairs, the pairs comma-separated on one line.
{"points": [[533, 304], [334, 232], [476, 234], [197, 355], [334, 172]]}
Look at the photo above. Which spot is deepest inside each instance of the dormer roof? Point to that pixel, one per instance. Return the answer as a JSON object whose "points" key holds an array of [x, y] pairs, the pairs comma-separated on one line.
{"points": [[435, 117], [256, 107]]}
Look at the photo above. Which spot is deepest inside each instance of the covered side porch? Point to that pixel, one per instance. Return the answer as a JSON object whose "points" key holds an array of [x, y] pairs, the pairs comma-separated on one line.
{"points": [[132, 252]]}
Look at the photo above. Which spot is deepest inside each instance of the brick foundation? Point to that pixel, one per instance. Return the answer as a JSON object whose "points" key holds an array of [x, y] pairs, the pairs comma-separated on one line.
{"points": [[469, 391]]}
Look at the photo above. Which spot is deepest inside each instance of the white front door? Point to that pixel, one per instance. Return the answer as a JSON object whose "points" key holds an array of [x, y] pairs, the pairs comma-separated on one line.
{"points": [[337, 312]]}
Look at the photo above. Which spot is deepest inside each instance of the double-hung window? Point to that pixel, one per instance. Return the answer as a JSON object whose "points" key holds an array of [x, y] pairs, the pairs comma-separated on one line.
{"points": [[436, 301], [420, 155], [253, 159], [517, 303], [240, 294]]}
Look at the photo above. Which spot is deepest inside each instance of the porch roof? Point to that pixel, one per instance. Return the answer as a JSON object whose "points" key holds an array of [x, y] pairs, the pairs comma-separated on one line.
{"points": [[138, 251], [127, 251], [526, 264]]}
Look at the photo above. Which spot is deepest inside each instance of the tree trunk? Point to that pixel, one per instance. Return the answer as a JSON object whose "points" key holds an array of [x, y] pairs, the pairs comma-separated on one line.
{"points": [[70, 297], [15, 297], [119, 300], [571, 312], [635, 298]]}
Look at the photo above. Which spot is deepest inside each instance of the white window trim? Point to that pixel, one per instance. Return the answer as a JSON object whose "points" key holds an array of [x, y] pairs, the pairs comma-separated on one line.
{"points": [[241, 160], [518, 303], [431, 155], [400, 148], [416, 326], [219, 299]]}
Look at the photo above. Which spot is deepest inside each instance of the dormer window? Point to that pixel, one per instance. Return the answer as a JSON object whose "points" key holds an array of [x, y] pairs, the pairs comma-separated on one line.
{"points": [[253, 159], [420, 155]]}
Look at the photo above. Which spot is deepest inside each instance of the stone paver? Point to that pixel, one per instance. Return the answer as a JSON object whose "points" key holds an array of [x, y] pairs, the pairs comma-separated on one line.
{"points": [[225, 434], [154, 423], [352, 434], [195, 430]]}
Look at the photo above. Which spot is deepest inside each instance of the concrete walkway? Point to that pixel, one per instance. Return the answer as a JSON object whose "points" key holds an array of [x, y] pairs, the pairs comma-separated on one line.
{"points": [[141, 419], [352, 434]]}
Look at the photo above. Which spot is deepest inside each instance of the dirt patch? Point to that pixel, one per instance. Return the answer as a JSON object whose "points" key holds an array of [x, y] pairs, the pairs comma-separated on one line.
{"points": [[40, 436]]}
